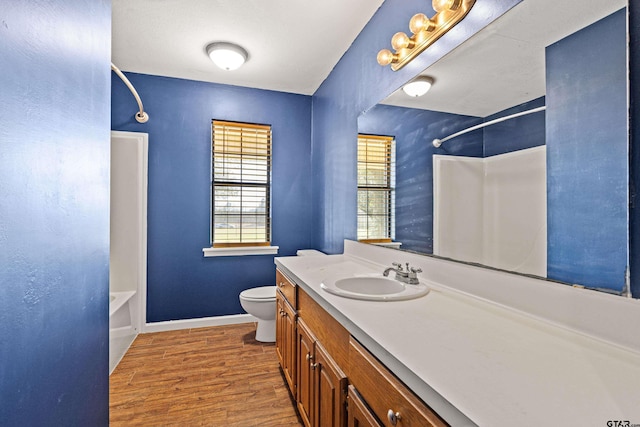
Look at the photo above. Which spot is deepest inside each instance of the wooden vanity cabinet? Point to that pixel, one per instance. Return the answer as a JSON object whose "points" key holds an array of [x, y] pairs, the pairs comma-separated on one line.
{"points": [[288, 288], [315, 352], [305, 349], [390, 400], [330, 391], [286, 317], [286, 340], [358, 414], [322, 386]]}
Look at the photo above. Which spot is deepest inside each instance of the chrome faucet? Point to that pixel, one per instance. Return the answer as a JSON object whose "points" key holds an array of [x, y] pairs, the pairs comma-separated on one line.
{"points": [[397, 267], [410, 275]]}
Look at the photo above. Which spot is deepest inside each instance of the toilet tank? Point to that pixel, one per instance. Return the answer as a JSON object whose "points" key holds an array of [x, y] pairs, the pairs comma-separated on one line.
{"points": [[309, 252]]}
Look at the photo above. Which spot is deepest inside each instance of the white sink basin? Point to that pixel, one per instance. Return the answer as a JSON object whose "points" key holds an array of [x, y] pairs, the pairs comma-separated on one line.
{"points": [[373, 288], [369, 285]]}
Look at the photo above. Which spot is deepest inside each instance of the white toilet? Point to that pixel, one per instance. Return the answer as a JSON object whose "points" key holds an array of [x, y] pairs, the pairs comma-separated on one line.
{"points": [[261, 303]]}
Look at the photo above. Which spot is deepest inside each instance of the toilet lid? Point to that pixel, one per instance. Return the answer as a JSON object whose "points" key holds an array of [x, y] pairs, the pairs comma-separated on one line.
{"points": [[262, 292]]}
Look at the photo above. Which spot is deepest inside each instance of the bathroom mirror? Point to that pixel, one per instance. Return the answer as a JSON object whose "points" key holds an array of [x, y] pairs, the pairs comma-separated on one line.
{"points": [[543, 194]]}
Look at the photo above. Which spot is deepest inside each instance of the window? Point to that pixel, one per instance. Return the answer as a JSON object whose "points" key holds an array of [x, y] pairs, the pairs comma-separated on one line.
{"points": [[240, 184], [375, 188]]}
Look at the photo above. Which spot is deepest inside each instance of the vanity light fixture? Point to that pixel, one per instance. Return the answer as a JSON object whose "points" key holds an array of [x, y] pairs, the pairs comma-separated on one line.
{"points": [[418, 86], [227, 56], [425, 32]]}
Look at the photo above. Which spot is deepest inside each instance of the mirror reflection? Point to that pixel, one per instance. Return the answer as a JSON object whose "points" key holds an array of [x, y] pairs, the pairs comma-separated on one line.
{"points": [[544, 193]]}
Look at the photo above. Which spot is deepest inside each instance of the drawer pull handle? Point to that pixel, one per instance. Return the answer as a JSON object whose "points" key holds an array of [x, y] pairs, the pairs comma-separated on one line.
{"points": [[313, 366], [393, 417], [281, 284], [309, 357]]}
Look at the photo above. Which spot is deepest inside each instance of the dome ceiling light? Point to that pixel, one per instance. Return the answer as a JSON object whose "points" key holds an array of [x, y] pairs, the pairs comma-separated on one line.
{"points": [[418, 86], [227, 56]]}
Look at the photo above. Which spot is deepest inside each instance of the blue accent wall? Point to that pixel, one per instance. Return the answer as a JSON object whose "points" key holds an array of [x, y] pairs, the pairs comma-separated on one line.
{"points": [[587, 155], [357, 83], [54, 212], [515, 134], [182, 283], [414, 130], [634, 155], [587, 158]]}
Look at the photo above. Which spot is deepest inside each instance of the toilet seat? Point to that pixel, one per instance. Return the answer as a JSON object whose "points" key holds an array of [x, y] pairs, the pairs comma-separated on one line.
{"points": [[262, 293]]}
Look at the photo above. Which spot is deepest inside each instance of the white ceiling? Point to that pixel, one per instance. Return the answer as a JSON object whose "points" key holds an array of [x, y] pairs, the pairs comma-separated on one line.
{"points": [[292, 45], [503, 65]]}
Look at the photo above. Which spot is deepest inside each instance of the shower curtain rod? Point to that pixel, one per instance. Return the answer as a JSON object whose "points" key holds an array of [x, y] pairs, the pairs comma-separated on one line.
{"points": [[141, 116], [438, 142]]}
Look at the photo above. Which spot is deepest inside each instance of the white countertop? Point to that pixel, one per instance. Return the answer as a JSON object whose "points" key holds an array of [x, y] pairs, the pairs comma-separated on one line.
{"points": [[477, 362]]}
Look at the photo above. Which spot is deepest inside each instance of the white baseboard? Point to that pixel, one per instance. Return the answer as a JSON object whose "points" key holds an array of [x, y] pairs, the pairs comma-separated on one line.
{"points": [[174, 325], [123, 331], [119, 343]]}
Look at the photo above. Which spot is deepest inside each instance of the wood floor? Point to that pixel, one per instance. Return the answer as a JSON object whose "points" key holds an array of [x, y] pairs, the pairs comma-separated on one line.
{"points": [[217, 376]]}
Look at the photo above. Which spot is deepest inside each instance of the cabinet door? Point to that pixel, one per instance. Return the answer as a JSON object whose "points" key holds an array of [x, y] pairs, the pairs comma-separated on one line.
{"points": [[286, 339], [280, 330], [289, 345], [359, 415], [305, 355], [330, 391]]}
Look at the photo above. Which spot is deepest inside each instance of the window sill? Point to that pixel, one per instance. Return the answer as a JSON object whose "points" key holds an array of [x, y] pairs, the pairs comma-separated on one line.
{"points": [[241, 251], [395, 245]]}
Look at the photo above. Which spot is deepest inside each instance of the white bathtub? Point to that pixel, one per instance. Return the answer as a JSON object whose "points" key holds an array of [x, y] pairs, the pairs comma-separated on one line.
{"points": [[122, 330]]}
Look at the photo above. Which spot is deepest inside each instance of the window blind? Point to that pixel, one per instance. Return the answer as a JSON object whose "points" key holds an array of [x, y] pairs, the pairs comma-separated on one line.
{"points": [[241, 184], [375, 188]]}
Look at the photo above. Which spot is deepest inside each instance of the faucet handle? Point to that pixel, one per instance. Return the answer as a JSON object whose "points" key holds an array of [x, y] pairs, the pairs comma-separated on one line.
{"points": [[397, 265], [413, 276]]}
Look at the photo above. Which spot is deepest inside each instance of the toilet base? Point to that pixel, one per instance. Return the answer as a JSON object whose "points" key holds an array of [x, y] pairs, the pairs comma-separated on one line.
{"points": [[266, 331]]}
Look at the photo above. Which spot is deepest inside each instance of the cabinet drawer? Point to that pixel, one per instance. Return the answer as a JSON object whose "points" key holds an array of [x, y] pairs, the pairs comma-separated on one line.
{"points": [[384, 393], [287, 287], [359, 415]]}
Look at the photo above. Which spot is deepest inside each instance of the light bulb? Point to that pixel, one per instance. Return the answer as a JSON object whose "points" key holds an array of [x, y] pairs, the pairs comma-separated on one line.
{"points": [[420, 22], [386, 57], [401, 41], [442, 5]]}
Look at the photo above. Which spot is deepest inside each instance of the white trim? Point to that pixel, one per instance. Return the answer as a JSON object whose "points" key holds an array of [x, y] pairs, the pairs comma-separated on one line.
{"points": [[142, 140], [174, 325], [241, 250], [123, 331], [120, 299], [395, 245], [120, 339]]}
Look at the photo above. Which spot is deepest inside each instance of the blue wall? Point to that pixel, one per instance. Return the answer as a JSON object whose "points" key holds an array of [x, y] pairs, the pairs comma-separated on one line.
{"points": [[54, 212], [356, 84], [54, 192], [634, 155], [414, 130], [515, 134], [587, 155], [182, 283]]}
